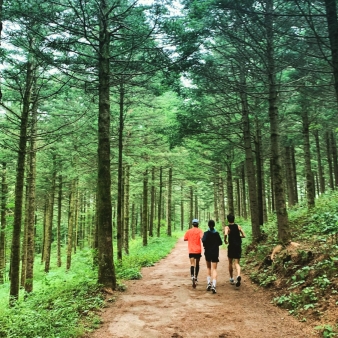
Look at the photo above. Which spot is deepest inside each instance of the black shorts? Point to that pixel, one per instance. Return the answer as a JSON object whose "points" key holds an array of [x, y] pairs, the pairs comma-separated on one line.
{"points": [[212, 259], [195, 255], [234, 251]]}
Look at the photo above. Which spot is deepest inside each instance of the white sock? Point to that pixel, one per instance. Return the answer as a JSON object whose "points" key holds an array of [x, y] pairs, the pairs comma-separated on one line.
{"points": [[214, 282], [208, 279]]}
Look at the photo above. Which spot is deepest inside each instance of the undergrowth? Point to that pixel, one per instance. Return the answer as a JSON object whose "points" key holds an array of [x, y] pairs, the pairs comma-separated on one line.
{"points": [[65, 304], [303, 276]]}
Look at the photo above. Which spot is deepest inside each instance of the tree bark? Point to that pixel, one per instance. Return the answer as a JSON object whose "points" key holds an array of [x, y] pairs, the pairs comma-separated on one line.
{"points": [[321, 178], [221, 202], [191, 207], [152, 203], [249, 162], [259, 169], [119, 234], [244, 207], [310, 190], [170, 188], [159, 205], [216, 214], [106, 273], [71, 218], [332, 23], [280, 206], [4, 192], [58, 229], [334, 158], [329, 159], [289, 177], [49, 227], [294, 172], [145, 209], [31, 186], [19, 185], [230, 189], [182, 208], [126, 210]]}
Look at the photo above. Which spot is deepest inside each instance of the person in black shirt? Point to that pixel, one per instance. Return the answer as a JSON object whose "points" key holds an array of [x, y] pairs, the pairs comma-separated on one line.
{"points": [[211, 241], [235, 234]]}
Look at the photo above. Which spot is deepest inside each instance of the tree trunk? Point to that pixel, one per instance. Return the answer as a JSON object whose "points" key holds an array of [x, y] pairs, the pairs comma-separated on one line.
{"points": [[334, 158], [106, 273], [294, 173], [58, 230], [159, 205], [71, 218], [191, 207], [332, 23], [221, 202], [49, 227], [133, 221], [4, 191], [319, 163], [145, 209], [24, 242], [19, 185], [119, 235], [249, 162], [238, 196], [216, 214], [152, 203], [289, 177], [282, 215], [126, 210], [182, 208], [31, 186], [310, 191], [170, 187], [259, 169], [230, 189], [329, 159], [244, 208]]}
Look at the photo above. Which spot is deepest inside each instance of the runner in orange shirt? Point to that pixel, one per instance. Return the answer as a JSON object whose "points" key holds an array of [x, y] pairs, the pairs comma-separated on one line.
{"points": [[194, 236]]}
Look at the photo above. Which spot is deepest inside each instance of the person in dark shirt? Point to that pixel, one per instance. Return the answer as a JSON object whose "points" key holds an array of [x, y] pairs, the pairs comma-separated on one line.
{"points": [[235, 234], [211, 241]]}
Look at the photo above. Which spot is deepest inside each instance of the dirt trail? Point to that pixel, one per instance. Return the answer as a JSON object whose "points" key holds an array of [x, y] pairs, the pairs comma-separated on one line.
{"points": [[163, 304]]}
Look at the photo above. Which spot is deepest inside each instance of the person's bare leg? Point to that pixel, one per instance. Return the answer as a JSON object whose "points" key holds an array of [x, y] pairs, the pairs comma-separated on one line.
{"points": [[214, 277], [231, 269], [214, 271], [238, 267]]}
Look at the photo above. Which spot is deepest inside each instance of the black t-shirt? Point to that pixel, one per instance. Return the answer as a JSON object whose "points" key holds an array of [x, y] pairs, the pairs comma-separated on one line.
{"points": [[234, 235]]}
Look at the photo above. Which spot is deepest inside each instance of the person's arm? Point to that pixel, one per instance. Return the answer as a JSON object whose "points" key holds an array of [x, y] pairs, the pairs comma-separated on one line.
{"points": [[226, 232], [186, 236], [241, 231], [220, 240]]}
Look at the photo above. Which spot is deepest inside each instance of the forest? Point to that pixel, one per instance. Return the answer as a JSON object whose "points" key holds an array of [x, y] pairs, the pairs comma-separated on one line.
{"points": [[123, 120]]}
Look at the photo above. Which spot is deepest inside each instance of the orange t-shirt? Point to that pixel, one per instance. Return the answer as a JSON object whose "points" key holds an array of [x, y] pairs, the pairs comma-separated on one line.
{"points": [[194, 236]]}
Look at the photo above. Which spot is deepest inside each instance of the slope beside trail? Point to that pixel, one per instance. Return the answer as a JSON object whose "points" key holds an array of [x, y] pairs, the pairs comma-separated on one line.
{"points": [[164, 304]]}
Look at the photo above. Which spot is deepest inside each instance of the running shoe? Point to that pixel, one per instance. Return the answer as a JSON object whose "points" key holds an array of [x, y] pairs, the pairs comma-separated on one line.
{"points": [[193, 282], [238, 281], [232, 281], [213, 289], [209, 287]]}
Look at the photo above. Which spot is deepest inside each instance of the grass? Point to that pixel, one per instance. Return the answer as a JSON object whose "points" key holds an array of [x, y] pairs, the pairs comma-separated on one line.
{"points": [[303, 279], [65, 304]]}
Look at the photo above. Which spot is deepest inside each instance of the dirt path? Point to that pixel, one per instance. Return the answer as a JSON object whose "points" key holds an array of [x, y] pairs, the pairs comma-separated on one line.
{"points": [[164, 304]]}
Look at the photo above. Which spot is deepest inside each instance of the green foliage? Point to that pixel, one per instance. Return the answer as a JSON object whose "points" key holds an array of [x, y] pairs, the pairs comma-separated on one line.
{"points": [[65, 304], [327, 331], [142, 256]]}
